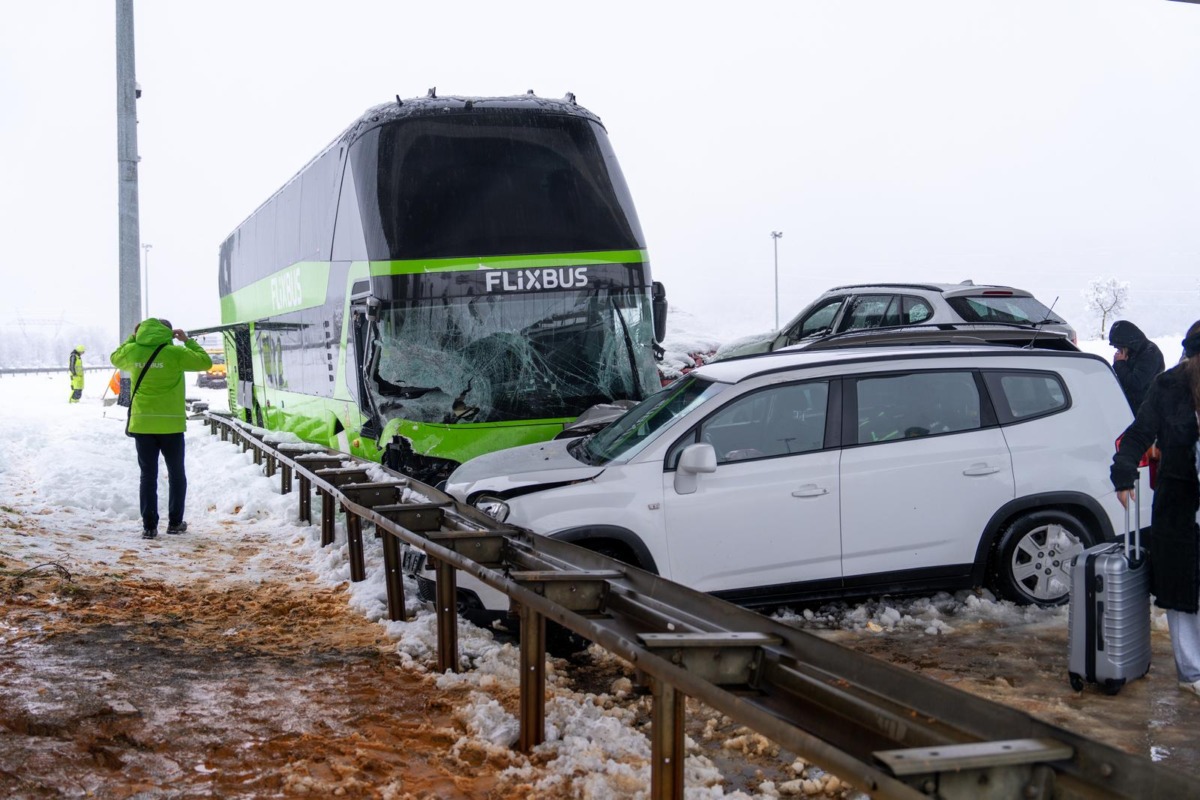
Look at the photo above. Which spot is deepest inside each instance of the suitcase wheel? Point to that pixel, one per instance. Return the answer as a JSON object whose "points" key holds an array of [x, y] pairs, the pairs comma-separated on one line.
{"points": [[1076, 682], [1111, 687]]}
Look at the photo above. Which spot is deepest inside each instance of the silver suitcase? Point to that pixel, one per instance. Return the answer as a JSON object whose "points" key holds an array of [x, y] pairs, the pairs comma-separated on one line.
{"points": [[1109, 620]]}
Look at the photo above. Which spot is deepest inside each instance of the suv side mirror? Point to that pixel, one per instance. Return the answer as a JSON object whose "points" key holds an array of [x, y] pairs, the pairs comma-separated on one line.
{"points": [[695, 459]]}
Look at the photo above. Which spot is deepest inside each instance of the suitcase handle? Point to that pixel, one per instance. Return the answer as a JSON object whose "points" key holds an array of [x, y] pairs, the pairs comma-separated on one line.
{"points": [[1133, 532]]}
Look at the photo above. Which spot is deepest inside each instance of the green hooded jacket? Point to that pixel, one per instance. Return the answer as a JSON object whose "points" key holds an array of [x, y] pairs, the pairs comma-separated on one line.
{"points": [[158, 405]]}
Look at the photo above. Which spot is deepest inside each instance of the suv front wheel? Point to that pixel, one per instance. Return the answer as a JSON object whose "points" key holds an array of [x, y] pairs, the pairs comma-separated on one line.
{"points": [[1032, 563]]}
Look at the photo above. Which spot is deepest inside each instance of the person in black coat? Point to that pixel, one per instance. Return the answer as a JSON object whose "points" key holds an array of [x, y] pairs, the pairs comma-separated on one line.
{"points": [[1137, 363], [1170, 415]]}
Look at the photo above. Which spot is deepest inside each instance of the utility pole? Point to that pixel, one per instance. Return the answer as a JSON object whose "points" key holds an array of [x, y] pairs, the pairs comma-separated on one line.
{"points": [[129, 298], [146, 279], [776, 236]]}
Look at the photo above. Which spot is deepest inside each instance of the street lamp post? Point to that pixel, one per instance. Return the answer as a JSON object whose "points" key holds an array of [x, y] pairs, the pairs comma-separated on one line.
{"points": [[146, 278], [776, 236]]}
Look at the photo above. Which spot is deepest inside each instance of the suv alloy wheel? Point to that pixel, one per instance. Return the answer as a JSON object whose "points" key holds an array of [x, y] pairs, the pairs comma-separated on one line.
{"points": [[1032, 563]]}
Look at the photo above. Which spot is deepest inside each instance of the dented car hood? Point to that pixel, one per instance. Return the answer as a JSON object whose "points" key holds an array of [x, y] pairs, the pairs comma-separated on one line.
{"points": [[520, 468]]}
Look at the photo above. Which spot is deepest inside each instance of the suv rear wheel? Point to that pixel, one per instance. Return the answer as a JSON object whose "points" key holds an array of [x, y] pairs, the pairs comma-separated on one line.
{"points": [[1032, 562]]}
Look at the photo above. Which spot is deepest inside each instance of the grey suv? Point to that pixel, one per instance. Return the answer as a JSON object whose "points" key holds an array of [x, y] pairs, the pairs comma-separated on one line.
{"points": [[875, 306]]}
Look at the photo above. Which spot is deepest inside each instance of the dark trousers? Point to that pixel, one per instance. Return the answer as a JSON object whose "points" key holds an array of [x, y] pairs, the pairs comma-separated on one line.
{"points": [[149, 445]]}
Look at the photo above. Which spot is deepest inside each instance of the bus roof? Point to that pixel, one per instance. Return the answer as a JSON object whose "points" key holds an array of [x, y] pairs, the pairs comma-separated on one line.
{"points": [[428, 106]]}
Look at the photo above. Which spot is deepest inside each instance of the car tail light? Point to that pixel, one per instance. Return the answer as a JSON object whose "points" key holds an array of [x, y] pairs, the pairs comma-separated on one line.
{"points": [[996, 293]]}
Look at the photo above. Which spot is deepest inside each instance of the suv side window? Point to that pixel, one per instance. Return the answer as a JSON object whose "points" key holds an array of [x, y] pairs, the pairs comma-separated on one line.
{"points": [[915, 310], [894, 407], [1019, 396], [777, 421], [872, 311], [819, 320]]}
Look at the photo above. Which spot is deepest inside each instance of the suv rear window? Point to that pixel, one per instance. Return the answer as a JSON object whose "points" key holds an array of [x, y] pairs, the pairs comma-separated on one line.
{"points": [[1024, 395], [1002, 308]]}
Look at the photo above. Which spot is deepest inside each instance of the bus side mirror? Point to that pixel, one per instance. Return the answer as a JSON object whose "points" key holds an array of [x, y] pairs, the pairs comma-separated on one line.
{"points": [[658, 306]]}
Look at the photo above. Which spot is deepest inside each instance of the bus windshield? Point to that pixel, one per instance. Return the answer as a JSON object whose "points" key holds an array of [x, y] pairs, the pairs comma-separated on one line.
{"points": [[496, 358], [489, 184]]}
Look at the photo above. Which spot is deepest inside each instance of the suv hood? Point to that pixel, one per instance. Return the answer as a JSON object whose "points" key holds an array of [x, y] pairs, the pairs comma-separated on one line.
{"points": [[520, 468]]}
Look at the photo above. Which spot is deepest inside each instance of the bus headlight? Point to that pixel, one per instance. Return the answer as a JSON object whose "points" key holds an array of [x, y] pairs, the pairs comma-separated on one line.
{"points": [[494, 507]]}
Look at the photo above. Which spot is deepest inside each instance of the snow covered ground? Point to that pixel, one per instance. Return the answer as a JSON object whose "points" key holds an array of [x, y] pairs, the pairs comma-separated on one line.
{"points": [[72, 466]]}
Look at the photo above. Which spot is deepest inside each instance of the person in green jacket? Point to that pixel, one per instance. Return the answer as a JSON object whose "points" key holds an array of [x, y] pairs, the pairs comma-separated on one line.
{"points": [[76, 368], [157, 417]]}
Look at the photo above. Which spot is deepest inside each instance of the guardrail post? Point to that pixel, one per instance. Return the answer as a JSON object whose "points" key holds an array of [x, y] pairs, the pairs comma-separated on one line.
{"points": [[224, 433], [533, 679], [285, 478], [270, 465], [358, 569], [447, 616], [305, 498], [258, 456], [327, 533], [393, 577], [666, 742]]}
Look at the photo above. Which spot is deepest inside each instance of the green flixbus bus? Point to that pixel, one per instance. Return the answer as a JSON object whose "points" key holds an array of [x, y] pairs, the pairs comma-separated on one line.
{"points": [[449, 277]]}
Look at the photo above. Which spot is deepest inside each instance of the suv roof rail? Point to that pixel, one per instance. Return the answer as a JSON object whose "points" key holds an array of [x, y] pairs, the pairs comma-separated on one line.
{"points": [[929, 287], [946, 333]]}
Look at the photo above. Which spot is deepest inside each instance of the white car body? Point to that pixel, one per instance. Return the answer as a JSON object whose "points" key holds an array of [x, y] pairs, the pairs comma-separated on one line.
{"points": [[830, 517]]}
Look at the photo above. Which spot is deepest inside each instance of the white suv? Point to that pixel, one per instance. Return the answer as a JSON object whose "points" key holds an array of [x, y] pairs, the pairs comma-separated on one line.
{"points": [[873, 306], [815, 475]]}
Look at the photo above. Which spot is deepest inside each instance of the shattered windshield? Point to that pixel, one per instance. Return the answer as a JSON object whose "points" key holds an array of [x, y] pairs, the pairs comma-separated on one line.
{"points": [[496, 358], [644, 422]]}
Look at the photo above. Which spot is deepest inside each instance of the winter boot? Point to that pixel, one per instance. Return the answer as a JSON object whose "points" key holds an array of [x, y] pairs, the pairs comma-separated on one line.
{"points": [[179, 528]]}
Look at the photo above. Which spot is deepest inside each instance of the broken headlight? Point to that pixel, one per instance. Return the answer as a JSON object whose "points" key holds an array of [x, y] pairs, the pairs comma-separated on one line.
{"points": [[494, 507]]}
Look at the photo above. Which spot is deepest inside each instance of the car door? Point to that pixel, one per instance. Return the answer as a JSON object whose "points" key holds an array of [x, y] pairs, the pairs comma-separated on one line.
{"points": [[924, 467], [768, 515]]}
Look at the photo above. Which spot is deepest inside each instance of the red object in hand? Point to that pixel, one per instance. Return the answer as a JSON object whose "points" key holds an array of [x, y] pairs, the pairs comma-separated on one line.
{"points": [[1153, 455]]}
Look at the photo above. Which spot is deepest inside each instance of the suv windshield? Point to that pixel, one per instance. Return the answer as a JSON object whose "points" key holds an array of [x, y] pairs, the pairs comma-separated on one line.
{"points": [[643, 423], [999, 308]]}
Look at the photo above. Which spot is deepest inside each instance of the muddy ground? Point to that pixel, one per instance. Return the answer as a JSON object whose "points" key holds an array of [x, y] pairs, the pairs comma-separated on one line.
{"points": [[115, 683], [118, 688]]}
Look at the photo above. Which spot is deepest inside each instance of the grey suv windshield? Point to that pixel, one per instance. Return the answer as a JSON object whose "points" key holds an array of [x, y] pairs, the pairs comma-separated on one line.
{"points": [[646, 421]]}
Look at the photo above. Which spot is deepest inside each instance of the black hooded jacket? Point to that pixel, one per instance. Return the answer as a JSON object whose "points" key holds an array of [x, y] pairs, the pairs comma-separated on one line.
{"points": [[1142, 363], [1169, 417]]}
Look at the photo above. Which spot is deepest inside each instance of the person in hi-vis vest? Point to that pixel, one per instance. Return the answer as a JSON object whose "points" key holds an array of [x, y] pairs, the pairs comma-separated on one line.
{"points": [[76, 369]]}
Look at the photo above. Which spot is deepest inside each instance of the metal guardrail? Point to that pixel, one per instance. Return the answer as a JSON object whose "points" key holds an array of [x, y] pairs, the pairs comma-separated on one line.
{"points": [[33, 370], [884, 730]]}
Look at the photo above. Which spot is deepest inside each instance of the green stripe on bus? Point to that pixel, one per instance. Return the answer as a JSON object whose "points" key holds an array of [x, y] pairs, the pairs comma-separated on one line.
{"points": [[382, 268], [302, 285]]}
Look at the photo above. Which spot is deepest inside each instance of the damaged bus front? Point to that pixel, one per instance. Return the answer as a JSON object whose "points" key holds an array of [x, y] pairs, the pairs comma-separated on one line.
{"points": [[485, 282]]}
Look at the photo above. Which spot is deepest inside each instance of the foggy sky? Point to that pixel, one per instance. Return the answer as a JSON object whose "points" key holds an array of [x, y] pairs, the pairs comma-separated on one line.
{"points": [[1039, 143]]}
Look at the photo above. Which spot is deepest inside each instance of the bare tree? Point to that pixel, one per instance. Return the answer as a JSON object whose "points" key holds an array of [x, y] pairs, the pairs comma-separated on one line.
{"points": [[1106, 298]]}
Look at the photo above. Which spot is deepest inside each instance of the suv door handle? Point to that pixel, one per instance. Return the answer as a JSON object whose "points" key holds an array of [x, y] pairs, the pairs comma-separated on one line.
{"points": [[980, 469], [810, 490]]}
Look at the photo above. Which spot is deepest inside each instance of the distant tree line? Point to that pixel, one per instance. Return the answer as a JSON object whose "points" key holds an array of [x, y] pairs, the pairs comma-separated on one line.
{"points": [[49, 344]]}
